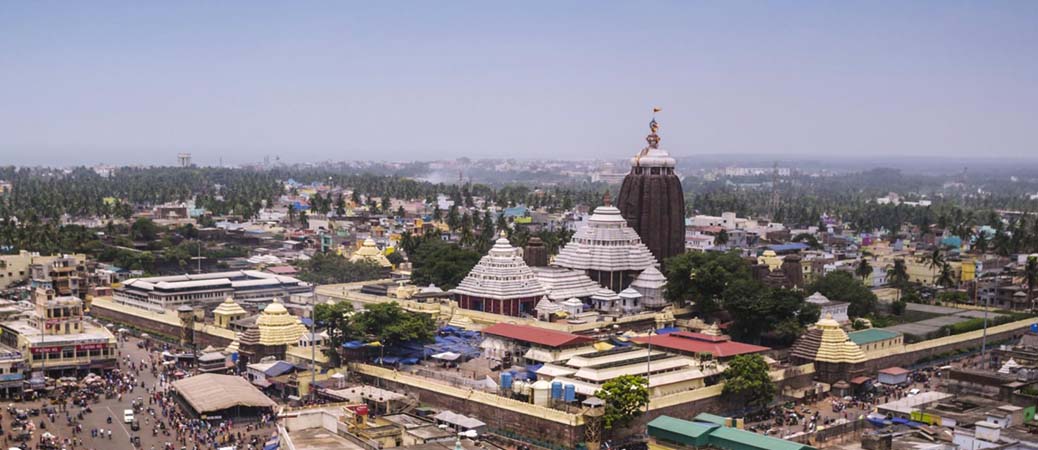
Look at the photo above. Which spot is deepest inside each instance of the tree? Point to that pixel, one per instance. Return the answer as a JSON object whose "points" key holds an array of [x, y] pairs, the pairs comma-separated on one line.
{"points": [[809, 239], [897, 307], [757, 310], [440, 263], [947, 276], [981, 242], [336, 319], [863, 270], [721, 239], [625, 397], [702, 277], [1031, 278], [934, 260], [330, 268], [144, 229], [842, 286], [897, 274], [392, 325], [747, 379]]}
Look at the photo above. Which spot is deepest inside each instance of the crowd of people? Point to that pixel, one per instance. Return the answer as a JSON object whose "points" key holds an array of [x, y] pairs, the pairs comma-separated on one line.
{"points": [[154, 403]]}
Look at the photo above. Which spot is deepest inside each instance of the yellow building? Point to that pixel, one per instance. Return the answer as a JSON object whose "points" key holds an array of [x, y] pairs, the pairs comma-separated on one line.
{"points": [[57, 339], [769, 257], [278, 327], [227, 312], [369, 252]]}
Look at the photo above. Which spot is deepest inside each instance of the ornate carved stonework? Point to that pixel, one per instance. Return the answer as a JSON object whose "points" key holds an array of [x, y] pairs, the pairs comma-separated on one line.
{"points": [[652, 201]]}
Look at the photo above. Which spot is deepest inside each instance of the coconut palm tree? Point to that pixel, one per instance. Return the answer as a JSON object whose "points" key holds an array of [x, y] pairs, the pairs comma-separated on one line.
{"points": [[863, 270], [934, 260], [897, 274], [947, 277]]}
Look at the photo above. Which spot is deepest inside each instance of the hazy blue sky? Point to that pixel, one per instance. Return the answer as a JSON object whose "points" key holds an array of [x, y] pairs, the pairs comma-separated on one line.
{"points": [[136, 82]]}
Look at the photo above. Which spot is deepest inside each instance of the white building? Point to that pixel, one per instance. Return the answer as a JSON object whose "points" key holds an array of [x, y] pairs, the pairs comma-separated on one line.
{"points": [[249, 287], [838, 310]]}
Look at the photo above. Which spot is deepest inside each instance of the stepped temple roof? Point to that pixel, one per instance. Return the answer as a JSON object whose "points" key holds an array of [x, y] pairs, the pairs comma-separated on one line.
{"points": [[229, 308], [563, 283], [369, 252], [277, 326], [501, 274], [650, 278], [827, 342], [606, 244]]}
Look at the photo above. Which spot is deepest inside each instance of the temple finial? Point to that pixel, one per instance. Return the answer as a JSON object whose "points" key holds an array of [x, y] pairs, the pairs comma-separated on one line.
{"points": [[653, 138], [607, 199]]}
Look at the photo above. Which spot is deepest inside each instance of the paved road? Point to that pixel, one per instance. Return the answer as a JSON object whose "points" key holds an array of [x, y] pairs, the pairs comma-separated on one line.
{"points": [[121, 432]]}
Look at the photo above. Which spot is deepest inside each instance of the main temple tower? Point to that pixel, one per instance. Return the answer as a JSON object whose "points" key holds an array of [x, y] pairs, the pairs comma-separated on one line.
{"points": [[651, 199]]}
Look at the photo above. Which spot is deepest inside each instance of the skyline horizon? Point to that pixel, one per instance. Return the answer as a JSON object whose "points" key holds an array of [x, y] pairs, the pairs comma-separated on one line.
{"points": [[130, 83]]}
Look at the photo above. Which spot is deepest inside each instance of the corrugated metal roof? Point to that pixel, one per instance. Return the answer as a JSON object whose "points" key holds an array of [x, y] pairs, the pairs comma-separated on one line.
{"points": [[211, 392], [752, 440], [871, 335]]}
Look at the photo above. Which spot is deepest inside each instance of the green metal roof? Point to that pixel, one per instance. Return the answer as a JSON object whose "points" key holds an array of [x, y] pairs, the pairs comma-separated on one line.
{"points": [[678, 426], [753, 440], [871, 335], [711, 418]]}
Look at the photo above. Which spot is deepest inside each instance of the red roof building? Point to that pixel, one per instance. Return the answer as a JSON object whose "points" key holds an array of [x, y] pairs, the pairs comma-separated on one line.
{"points": [[720, 346], [536, 336]]}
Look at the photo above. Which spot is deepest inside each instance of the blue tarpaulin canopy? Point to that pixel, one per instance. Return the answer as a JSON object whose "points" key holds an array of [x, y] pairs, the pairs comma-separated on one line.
{"points": [[353, 345], [667, 330]]}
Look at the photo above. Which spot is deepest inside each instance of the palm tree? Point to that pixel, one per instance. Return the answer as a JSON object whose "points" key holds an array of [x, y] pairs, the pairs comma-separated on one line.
{"points": [[981, 243], [721, 239], [897, 274], [947, 277], [1031, 278], [863, 270], [934, 261]]}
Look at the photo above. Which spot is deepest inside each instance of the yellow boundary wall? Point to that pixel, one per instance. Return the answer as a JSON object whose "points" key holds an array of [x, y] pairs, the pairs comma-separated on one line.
{"points": [[529, 409]]}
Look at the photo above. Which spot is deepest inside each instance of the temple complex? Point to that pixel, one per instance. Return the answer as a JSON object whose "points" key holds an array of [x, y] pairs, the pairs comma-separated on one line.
{"points": [[228, 312], [564, 284], [369, 252], [609, 251], [275, 329], [652, 201], [835, 356], [500, 283], [535, 253], [650, 283]]}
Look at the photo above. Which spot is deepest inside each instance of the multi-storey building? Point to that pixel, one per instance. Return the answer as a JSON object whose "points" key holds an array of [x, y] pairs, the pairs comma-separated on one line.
{"points": [[55, 339], [252, 289], [65, 275]]}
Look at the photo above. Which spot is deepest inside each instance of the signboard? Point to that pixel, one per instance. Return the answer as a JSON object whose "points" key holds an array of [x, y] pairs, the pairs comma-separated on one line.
{"points": [[90, 347], [54, 349]]}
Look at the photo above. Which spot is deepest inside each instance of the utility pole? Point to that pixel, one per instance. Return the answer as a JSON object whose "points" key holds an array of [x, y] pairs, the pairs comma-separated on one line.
{"points": [[313, 348]]}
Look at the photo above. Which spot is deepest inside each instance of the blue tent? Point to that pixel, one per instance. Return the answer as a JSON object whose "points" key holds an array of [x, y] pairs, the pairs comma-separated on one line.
{"points": [[409, 361]]}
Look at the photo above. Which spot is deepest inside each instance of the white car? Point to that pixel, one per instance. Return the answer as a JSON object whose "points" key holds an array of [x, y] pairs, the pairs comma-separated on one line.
{"points": [[127, 416], [915, 391]]}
